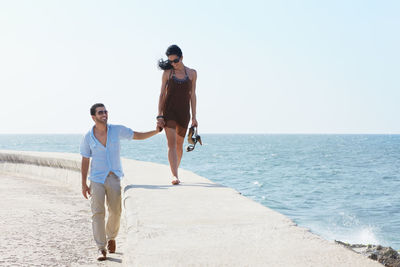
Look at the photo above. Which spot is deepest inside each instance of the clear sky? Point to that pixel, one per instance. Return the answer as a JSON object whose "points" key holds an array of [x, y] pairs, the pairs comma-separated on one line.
{"points": [[263, 66]]}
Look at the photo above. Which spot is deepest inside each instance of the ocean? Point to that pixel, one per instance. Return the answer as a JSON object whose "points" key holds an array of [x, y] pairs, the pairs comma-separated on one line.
{"points": [[341, 187]]}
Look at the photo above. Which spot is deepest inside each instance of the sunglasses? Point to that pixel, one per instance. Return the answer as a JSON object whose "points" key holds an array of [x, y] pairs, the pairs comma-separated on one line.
{"points": [[101, 112], [176, 60], [193, 140]]}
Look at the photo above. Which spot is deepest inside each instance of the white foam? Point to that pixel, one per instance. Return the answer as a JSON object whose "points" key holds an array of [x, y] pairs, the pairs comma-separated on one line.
{"points": [[257, 183], [350, 234], [364, 235]]}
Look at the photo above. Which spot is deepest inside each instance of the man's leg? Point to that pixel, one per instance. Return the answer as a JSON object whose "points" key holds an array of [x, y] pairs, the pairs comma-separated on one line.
{"points": [[113, 192], [98, 213]]}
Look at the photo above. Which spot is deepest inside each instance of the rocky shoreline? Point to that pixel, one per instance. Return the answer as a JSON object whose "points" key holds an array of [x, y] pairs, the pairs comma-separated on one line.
{"points": [[385, 255]]}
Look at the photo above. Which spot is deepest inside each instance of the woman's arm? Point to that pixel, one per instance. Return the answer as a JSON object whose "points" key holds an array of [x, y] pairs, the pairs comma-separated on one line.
{"points": [[161, 99], [193, 99]]}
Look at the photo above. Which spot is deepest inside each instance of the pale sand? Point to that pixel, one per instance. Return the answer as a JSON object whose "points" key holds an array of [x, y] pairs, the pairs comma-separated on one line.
{"points": [[47, 224]]}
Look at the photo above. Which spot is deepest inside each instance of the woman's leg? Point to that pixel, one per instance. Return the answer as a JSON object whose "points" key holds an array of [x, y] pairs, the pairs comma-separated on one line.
{"points": [[172, 153], [180, 138]]}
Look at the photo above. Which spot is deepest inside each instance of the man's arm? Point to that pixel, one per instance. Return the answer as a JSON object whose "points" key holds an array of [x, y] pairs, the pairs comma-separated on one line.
{"points": [[144, 135], [84, 171]]}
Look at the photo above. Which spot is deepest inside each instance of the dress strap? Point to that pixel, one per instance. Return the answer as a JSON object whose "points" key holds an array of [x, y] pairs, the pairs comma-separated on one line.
{"points": [[180, 80]]}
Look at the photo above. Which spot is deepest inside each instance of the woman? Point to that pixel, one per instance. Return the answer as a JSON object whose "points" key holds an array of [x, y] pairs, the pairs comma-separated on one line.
{"points": [[178, 95]]}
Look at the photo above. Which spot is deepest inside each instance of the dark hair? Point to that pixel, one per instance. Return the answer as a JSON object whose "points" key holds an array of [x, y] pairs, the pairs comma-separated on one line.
{"points": [[93, 108], [171, 50]]}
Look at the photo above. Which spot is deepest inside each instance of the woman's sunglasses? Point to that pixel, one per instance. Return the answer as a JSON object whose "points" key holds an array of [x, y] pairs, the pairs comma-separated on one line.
{"points": [[176, 60], [193, 140]]}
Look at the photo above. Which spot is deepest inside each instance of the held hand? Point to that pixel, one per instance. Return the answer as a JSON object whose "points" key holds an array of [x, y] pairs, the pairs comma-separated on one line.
{"points": [[85, 191], [194, 122], [160, 124]]}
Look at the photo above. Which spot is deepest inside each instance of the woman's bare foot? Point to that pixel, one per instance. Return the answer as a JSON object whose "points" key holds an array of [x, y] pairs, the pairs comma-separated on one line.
{"points": [[175, 181]]}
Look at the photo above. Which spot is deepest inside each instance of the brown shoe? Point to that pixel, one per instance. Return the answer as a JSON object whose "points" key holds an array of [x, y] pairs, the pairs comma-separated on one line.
{"points": [[102, 256], [111, 246]]}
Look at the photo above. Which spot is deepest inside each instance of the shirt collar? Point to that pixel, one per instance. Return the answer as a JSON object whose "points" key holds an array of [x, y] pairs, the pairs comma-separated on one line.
{"points": [[92, 132]]}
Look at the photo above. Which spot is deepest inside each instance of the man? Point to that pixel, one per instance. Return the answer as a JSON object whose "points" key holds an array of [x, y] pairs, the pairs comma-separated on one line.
{"points": [[102, 144]]}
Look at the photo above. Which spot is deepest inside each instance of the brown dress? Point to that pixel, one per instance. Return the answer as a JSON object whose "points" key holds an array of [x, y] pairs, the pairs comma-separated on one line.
{"points": [[177, 103]]}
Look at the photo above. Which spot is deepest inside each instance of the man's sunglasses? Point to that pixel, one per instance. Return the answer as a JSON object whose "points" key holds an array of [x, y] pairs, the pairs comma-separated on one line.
{"points": [[101, 112], [176, 60], [193, 140]]}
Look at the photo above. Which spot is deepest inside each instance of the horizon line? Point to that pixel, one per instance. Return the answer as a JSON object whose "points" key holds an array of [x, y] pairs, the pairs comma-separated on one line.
{"points": [[244, 133]]}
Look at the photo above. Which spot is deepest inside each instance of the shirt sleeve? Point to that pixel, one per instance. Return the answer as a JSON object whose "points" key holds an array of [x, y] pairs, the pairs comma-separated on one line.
{"points": [[85, 150], [125, 133]]}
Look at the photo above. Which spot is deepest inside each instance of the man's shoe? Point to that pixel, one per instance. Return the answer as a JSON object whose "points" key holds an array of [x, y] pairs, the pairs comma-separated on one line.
{"points": [[102, 255], [111, 246]]}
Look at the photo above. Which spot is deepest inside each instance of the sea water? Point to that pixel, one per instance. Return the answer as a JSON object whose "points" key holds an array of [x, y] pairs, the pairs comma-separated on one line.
{"points": [[341, 187]]}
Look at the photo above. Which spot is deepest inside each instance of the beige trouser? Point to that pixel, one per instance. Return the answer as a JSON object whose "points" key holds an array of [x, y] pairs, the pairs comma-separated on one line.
{"points": [[112, 190]]}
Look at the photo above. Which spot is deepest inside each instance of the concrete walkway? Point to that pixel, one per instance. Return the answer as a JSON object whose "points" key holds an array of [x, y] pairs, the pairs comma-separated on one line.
{"points": [[200, 223], [46, 224]]}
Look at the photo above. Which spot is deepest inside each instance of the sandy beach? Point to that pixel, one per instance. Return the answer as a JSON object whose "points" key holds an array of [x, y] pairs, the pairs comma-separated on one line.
{"points": [[47, 224]]}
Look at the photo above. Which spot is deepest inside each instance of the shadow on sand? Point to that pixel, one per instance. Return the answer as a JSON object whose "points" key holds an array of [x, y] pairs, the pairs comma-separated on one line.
{"points": [[114, 259]]}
